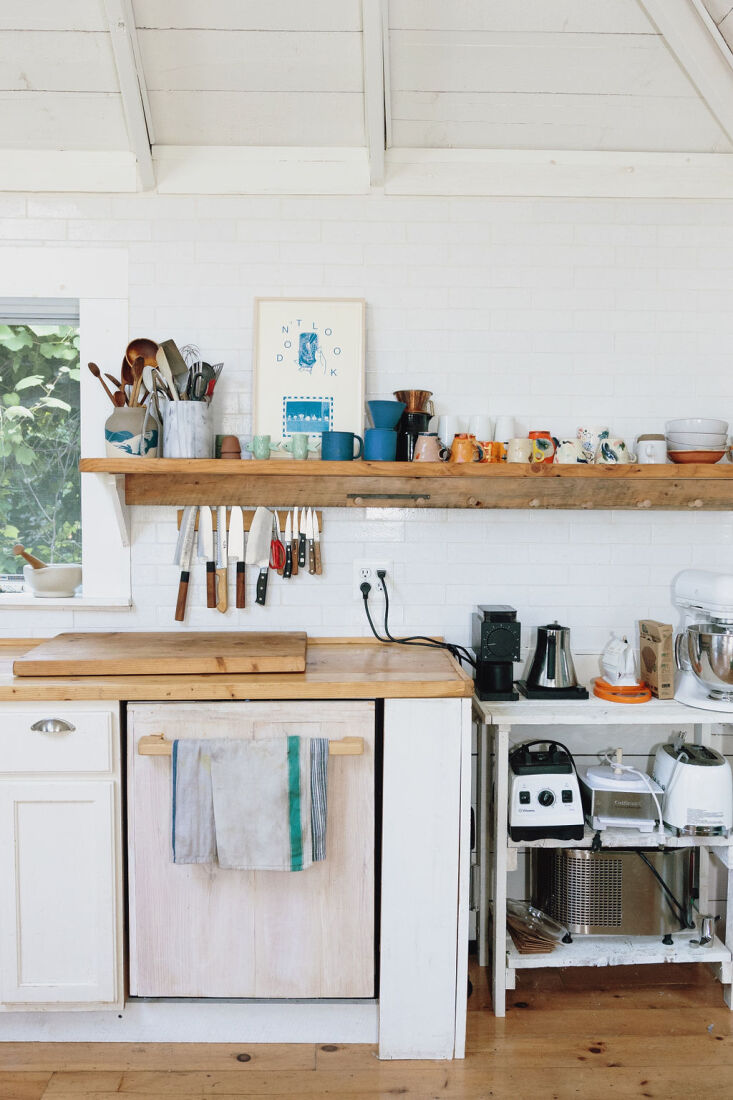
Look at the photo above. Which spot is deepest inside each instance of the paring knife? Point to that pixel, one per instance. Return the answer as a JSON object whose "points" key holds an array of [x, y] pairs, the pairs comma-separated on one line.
{"points": [[317, 543], [236, 550], [294, 547], [183, 555], [309, 537], [301, 540], [288, 570], [258, 548], [222, 574], [206, 551]]}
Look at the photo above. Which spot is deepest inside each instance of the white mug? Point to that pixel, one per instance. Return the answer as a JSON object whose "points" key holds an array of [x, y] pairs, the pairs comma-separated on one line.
{"points": [[519, 450], [504, 429], [480, 426], [651, 451], [449, 426], [569, 451]]}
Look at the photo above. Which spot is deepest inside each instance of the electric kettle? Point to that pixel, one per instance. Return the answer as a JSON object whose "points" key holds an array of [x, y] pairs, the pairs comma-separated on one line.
{"points": [[552, 664]]}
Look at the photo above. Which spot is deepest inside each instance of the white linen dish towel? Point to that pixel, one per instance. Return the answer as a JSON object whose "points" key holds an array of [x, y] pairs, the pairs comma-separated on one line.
{"points": [[250, 805]]}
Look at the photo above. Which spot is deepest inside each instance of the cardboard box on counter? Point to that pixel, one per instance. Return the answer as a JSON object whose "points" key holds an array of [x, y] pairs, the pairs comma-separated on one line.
{"points": [[656, 657]]}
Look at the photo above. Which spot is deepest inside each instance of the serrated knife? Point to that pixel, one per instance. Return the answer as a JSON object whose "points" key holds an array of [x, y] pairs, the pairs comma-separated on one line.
{"points": [[183, 555], [236, 550], [222, 572], [206, 551]]}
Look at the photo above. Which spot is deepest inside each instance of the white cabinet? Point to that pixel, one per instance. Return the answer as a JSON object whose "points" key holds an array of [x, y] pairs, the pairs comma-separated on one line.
{"points": [[60, 902]]}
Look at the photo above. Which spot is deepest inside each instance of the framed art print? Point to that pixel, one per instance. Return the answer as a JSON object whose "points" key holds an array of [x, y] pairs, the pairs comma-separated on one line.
{"points": [[308, 366]]}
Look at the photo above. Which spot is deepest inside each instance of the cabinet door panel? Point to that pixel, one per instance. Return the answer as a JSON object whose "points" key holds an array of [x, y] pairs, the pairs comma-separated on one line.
{"points": [[206, 932], [57, 904]]}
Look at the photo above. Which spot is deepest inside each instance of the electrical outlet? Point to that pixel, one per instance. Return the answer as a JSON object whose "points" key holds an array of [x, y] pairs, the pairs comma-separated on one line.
{"points": [[367, 571]]}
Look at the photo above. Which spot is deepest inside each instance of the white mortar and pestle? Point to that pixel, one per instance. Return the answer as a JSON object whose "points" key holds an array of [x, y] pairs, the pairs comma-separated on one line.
{"points": [[48, 580]]}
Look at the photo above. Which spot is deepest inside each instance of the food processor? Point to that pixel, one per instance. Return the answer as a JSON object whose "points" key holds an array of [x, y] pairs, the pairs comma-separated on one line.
{"points": [[704, 644]]}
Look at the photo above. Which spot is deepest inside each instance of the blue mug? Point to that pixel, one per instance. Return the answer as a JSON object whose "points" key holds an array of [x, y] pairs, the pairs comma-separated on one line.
{"points": [[339, 446], [380, 445]]}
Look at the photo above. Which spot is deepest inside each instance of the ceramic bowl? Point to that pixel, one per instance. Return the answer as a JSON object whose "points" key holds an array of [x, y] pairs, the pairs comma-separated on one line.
{"points": [[53, 580], [707, 457], [679, 445], [696, 424], [705, 440]]}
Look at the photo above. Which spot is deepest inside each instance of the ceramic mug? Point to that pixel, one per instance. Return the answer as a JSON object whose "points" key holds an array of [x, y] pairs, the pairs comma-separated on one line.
{"points": [[380, 444], [543, 446], [519, 450], [187, 430], [590, 441], [612, 452], [480, 425], [260, 446], [427, 448], [504, 429], [298, 445], [651, 449], [339, 446], [133, 432], [569, 451], [494, 451], [464, 448], [450, 426]]}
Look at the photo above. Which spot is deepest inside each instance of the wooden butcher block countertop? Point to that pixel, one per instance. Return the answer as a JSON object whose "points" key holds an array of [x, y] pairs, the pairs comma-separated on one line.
{"points": [[336, 668]]}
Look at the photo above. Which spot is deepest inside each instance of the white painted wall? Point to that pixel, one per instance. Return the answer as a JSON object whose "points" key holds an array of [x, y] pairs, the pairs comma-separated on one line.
{"points": [[560, 311]]}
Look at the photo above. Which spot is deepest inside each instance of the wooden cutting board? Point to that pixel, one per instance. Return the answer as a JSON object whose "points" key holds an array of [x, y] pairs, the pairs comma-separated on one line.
{"points": [[150, 654]]}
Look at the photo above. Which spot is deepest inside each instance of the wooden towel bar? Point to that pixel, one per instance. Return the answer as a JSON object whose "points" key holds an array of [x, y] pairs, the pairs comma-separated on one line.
{"points": [[156, 744]]}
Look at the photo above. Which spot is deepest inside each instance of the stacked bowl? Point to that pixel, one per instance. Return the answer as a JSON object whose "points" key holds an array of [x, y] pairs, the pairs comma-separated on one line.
{"points": [[696, 439]]}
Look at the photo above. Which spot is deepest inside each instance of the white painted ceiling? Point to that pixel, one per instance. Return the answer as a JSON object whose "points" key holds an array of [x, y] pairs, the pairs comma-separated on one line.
{"points": [[459, 74]]}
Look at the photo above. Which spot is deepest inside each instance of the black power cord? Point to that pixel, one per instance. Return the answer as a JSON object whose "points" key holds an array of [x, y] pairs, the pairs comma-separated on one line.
{"points": [[460, 653]]}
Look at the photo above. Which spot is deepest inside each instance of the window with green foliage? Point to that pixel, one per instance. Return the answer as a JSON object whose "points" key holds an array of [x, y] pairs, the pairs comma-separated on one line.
{"points": [[40, 485]]}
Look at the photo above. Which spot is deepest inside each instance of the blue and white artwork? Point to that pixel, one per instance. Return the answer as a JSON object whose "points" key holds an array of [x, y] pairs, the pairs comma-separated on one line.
{"points": [[306, 414], [309, 366]]}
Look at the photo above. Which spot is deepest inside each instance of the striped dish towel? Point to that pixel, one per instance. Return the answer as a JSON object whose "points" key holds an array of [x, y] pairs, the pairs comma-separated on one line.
{"points": [[250, 805]]}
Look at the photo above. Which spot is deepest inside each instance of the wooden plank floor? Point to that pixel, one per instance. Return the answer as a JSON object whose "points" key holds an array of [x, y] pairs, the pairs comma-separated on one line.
{"points": [[621, 1032]]}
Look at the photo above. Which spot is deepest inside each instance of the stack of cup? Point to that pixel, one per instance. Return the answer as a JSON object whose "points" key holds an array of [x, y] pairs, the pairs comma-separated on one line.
{"points": [[380, 442]]}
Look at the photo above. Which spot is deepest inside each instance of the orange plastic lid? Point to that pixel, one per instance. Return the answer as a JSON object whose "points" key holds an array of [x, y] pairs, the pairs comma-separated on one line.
{"points": [[632, 693]]}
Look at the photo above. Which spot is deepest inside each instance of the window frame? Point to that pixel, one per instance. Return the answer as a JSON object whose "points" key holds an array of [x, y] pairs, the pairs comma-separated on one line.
{"points": [[98, 279]]}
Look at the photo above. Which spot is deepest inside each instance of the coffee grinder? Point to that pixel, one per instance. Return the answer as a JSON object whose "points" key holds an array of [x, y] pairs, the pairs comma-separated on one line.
{"points": [[495, 637]]}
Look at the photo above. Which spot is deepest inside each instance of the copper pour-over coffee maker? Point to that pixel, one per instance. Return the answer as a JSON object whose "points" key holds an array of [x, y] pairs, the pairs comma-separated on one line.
{"points": [[414, 420]]}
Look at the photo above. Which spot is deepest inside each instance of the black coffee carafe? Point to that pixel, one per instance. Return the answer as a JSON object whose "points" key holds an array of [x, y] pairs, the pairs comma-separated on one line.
{"points": [[408, 429]]}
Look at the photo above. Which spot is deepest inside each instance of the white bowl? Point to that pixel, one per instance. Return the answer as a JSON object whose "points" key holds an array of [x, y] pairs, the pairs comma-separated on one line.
{"points": [[704, 442], [697, 424], [53, 580]]}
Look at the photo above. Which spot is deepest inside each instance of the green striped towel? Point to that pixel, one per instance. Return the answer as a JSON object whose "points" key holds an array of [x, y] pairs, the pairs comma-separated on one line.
{"points": [[250, 805]]}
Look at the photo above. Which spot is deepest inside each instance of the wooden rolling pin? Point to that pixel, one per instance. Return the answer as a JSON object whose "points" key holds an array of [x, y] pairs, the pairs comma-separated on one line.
{"points": [[21, 552]]}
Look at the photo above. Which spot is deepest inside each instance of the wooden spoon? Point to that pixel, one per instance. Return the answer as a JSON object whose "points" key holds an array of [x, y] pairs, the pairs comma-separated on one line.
{"points": [[141, 347], [21, 552], [120, 399], [115, 381], [94, 369], [137, 373]]}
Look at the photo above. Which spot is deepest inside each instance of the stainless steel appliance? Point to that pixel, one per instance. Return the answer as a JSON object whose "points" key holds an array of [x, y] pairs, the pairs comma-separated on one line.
{"points": [[551, 670], [704, 643], [613, 892], [616, 796], [698, 789], [544, 799]]}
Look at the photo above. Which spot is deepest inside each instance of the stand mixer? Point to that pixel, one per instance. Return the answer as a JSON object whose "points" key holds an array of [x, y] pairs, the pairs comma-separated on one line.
{"points": [[704, 645]]}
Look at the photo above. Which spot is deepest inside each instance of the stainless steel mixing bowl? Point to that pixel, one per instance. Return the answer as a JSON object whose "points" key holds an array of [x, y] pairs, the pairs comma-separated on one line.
{"points": [[710, 650]]}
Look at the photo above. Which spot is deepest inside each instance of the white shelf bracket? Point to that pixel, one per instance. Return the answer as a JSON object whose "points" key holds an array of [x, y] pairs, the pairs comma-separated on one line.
{"points": [[115, 484]]}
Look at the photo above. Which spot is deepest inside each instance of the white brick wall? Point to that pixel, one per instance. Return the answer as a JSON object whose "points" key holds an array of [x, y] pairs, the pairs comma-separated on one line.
{"points": [[560, 312]]}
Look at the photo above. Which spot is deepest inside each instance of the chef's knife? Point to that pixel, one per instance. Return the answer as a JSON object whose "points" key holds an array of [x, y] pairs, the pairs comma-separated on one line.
{"points": [[309, 537], [206, 551], [222, 574], [317, 543], [294, 547], [288, 570], [183, 555], [301, 540], [258, 548], [236, 550]]}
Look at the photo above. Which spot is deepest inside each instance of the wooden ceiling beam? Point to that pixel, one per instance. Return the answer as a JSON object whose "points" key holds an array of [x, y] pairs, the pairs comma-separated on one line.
{"points": [[373, 33], [700, 50], [123, 34]]}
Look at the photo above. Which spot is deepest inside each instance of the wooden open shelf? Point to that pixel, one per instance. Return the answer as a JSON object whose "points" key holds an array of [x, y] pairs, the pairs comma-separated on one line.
{"points": [[283, 483]]}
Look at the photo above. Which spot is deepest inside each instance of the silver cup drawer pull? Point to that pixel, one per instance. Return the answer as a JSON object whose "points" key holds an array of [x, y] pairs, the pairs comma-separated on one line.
{"points": [[53, 725]]}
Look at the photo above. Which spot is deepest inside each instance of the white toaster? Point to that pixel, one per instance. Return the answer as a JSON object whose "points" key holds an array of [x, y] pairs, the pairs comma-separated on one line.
{"points": [[698, 789]]}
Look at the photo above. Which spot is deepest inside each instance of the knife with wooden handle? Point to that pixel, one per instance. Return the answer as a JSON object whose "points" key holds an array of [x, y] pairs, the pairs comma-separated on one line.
{"points": [[206, 551], [222, 573], [294, 545], [317, 544], [309, 537], [184, 553], [236, 550]]}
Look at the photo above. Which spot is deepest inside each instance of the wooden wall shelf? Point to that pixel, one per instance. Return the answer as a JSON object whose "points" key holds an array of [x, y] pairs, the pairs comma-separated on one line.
{"points": [[284, 483]]}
